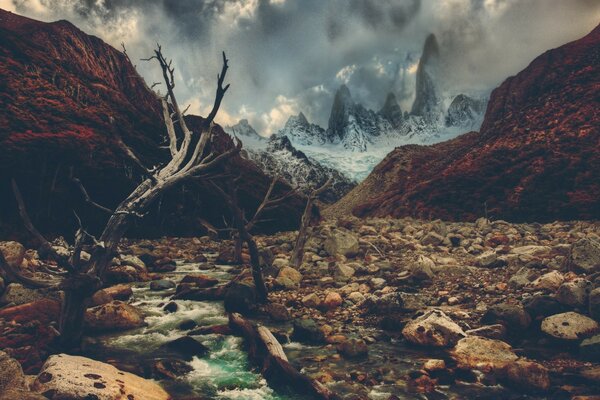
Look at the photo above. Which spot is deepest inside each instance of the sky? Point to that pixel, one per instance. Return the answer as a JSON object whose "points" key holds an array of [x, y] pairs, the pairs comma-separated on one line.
{"points": [[288, 56]]}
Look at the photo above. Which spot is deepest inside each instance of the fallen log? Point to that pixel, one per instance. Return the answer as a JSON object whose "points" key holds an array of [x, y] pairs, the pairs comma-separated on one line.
{"points": [[265, 351], [201, 294], [213, 329]]}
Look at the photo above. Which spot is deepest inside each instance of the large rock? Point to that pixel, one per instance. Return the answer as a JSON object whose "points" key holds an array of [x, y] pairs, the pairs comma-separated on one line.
{"points": [[74, 377], [13, 253], [120, 292], [490, 259], [288, 278], [332, 300], [343, 272], [187, 347], [574, 293], [43, 310], [595, 304], [385, 304], [590, 348], [422, 269], [353, 348], [306, 330], [585, 256], [513, 316], [434, 328], [569, 326], [549, 282], [200, 280], [432, 238], [526, 375], [162, 284], [240, 297], [17, 294], [541, 306], [11, 373], [341, 242], [113, 316], [475, 352]]}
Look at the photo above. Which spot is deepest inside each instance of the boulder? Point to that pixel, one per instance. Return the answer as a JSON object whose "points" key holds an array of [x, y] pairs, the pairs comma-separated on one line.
{"points": [[200, 280], [311, 300], [43, 310], [17, 294], [171, 368], [343, 272], [126, 273], [496, 331], [306, 330], [278, 312], [288, 278], [475, 352], [162, 284], [422, 269], [521, 278], [120, 292], [13, 253], [113, 316], [594, 302], [590, 348], [101, 297], [332, 300], [240, 297], [11, 373], [74, 377], [513, 316], [490, 259], [353, 348], [186, 347], [549, 282], [542, 306], [434, 328], [432, 238], [356, 297], [574, 293], [389, 303], [341, 242], [569, 326], [526, 375], [585, 256]]}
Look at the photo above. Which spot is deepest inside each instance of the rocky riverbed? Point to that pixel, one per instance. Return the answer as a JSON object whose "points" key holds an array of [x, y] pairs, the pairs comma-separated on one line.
{"points": [[380, 308]]}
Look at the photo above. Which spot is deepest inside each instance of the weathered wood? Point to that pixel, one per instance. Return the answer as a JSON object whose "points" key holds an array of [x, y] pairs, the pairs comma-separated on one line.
{"points": [[265, 351], [213, 329]]}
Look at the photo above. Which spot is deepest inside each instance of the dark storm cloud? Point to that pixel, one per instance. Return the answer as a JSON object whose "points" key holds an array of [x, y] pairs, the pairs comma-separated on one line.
{"points": [[291, 55]]}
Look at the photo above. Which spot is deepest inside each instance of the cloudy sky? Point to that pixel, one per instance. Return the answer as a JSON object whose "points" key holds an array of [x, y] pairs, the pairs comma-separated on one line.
{"points": [[288, 56]]}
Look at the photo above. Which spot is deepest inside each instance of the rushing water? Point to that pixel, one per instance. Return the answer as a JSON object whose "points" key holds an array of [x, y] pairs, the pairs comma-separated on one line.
{"points": [[226, 372]]}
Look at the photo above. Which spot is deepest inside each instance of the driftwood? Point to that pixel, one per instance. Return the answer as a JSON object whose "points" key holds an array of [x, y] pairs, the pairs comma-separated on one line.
{"points": [[298, 251], [204, 294], [265, 351]]}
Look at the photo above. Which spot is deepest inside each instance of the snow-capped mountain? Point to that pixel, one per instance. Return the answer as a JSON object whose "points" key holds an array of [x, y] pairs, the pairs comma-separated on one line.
{"points": [[299, 130]]}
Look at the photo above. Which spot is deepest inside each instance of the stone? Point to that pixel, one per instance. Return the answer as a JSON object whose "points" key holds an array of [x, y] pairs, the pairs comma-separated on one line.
{"points": [[240, 297], [17, 294], [490, 259], [496, 331], [11, 373], [332, 300], [433, 365], [306, 330], [422, 269], [542, 306], [389, 303], [171, 307], [171, 368], [513, 316], [13, 253], [187, 324], [162, 284], [475, 352], [74, 377], [550, 281], [126, 273], [341, 242], [342, 272], [526, 375], [432, 238], [434, 328], [311, 300], [200, 280], [113, 316], [21, 394], [574, 293], [2, 285], [569, 326], [531, 250], [585, 256], [278, 312], [356, 297], [187, 347], [594, 302], [120, 292], [521, 278], [43, 310], [288, 278], [101, 297], [134, 262], [590, 348], [353, 348]]}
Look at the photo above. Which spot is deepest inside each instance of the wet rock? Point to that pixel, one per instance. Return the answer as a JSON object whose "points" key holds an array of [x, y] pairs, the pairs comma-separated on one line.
{"points": [[590, 348], [171, 307], [526, 375], [353, 348], [126, 273], [342, 272], [341, 242], [513, 316], [594, 302], [200, 280], [496, 331], [574, 293], [113, 316], [569, 326], [332, 300], [542, 306], [17, 294], [187, 347], [11, 373], [187, 324], [306, 330], [522, 278], [21, 394], [13, 253], [311, 300], [585, 256], [74, 377], [422, 269], [433, 365], [288, 278], [101, 297], [171, 369], [240, 297], [278, 312], [162, 284], [549, 282], [432, 238], [434, 328], [120, 292], [475, 352], [389, 303]]}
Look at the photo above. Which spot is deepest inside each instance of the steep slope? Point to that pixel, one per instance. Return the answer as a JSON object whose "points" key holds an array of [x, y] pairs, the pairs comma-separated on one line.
{"points": [[536, 157], [65, 99]]}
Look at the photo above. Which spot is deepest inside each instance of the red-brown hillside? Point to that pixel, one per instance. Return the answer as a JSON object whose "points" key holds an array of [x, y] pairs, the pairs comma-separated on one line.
{"points": [[65, 97], [536, 158]]}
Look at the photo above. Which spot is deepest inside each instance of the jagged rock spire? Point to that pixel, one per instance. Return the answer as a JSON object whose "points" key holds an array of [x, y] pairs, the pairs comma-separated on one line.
{"points": [[342, 102], [391, 111], [427, 99]]}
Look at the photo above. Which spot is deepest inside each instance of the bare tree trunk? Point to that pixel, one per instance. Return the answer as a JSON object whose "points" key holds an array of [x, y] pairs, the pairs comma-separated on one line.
{"points": [[259, 282], [238, 249]]}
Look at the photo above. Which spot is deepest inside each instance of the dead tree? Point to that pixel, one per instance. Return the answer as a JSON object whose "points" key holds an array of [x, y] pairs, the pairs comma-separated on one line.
{"points": [[244, 226], [298, 251], [190, 157]]}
